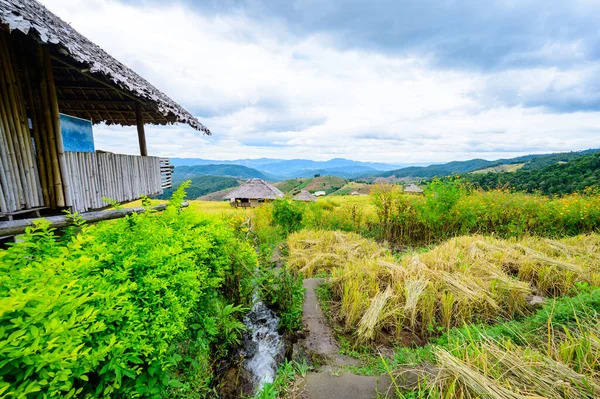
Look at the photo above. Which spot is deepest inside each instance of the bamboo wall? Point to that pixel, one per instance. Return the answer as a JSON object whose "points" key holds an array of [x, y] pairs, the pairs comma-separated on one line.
{"points": [[35, 171], [20, 186], [95, 175]]}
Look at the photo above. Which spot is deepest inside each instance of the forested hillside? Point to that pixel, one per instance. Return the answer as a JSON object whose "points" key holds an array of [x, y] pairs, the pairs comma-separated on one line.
{"points": [[575, 175], [182, 173], [202, 185], [534, 161]]}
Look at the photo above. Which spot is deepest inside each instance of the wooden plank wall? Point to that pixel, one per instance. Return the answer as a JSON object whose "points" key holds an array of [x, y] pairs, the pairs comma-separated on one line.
{"points": [[92, 176]]}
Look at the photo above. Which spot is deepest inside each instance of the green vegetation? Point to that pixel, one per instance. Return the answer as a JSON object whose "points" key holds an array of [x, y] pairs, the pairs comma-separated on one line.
{"points": [[501, 168], [447, 209], [575, 175], [286, 382], [329, 184], [142, 306], [350, 187], [460, 167], [288, 186], [203, 185]]}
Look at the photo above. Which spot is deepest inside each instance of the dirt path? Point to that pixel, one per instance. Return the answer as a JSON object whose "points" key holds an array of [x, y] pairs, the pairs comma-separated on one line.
{"points": [[320, 340], [330, 381]]}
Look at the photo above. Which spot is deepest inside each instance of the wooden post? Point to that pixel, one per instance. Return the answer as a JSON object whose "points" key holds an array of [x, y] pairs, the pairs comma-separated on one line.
{"points": [[53, 97], [139, 118]]}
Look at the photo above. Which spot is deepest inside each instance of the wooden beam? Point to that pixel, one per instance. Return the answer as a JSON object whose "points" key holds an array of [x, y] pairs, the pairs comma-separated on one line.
{"points": [[69, 102], [86, 72], [139, 119], [14, 227]]}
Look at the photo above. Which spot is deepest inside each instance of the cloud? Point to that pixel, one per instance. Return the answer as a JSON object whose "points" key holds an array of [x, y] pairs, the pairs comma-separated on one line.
{"points": [[374, 81]]}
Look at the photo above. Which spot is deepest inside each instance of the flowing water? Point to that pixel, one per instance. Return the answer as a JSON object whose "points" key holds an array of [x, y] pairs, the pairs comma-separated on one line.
{"points": [[263, 345]]}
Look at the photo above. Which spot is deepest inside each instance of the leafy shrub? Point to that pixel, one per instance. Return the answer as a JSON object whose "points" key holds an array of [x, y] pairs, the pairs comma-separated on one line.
{"points": [[121, 309], [287, 215], [283, 290]]}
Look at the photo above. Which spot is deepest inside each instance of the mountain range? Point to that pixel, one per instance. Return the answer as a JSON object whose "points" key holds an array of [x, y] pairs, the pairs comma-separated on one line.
{"points": [[280, 169], [277, 169]]}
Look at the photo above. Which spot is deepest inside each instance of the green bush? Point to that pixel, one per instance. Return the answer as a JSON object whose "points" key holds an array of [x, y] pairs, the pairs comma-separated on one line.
{"points": [[283, 290], [124, 308], [287, 215]]}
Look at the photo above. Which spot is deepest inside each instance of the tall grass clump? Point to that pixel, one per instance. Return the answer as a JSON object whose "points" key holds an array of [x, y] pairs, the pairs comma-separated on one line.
{"points": [[464, 280], [450, 208], [143, 306]]}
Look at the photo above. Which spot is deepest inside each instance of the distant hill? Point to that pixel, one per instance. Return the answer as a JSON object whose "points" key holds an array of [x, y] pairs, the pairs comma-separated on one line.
{"points": [[182, 173], [329, 184], [533, 161], [557, 178], [290, 168], [508, 167], [287, 186], [347, 172], [203, 185], [351, 187]]}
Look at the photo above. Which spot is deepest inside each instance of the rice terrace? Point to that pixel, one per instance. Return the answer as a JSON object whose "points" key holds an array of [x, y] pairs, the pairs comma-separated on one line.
{"points": [[346, 199]]}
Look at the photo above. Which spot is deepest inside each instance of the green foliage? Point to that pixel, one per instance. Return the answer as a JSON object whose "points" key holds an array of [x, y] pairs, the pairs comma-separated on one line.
{"points": [[124, 308], [287, 215], [450, 208], [557, 178], [288, 373], [283, 291]]}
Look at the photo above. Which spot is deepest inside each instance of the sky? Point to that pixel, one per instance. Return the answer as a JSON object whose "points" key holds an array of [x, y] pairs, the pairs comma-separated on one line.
{"points": [[371, 80]]}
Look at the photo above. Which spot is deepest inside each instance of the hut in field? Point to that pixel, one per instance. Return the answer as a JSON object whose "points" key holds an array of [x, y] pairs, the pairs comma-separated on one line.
{"points": [[354, 193], [319, 193], [305, 196], [413, 189], [54, 86], [252, 193]]}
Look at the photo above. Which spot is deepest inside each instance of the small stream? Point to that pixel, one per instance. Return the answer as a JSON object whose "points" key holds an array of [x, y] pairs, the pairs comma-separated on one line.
{"points": [[263, 346]]}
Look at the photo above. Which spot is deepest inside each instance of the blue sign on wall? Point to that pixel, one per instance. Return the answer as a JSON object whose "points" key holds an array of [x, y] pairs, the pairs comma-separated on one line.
{"points": [[77, 134]]}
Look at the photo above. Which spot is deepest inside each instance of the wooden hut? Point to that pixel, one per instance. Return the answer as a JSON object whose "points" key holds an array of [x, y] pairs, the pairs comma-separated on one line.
{"points": [[305, 196], [413, 189], [252, 193], [52, 76]]}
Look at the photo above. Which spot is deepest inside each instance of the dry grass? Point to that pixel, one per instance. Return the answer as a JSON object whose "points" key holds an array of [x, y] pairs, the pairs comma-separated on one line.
{"points": [[464, 280], [504, 370]]}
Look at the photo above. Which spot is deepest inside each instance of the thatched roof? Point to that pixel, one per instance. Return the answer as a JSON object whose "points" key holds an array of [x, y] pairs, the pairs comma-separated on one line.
{"points": [[304, 195], [91, 84], [255, 189], [413, 188]]}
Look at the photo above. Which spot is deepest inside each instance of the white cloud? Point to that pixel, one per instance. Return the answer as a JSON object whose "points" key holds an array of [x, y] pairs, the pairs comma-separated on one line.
{"points": [[266, 92]]}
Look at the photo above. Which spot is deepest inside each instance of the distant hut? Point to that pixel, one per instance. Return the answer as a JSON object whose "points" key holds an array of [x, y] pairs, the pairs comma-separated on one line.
{"points": [[413, 189], [354, 193], [304, 195], [252, 193], [319, 193]]}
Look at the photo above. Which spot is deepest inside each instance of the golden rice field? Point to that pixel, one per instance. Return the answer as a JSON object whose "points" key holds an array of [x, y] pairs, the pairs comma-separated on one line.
{"points": [[464, 280], [217, 208]]}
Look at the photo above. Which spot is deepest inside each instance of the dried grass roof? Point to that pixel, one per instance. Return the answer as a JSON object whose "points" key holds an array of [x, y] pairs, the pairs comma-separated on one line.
{"points": [[413, 188], [304, 195], [255, 189], [91, 84]]}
